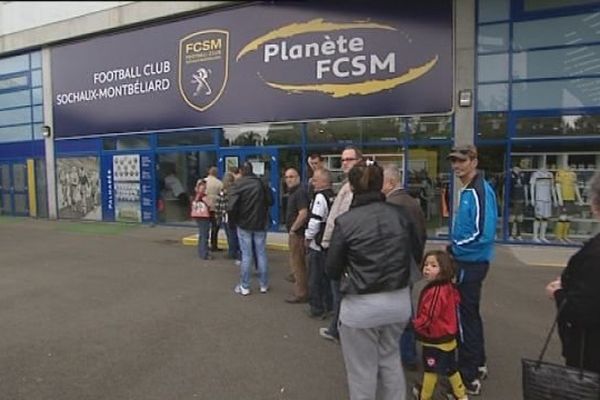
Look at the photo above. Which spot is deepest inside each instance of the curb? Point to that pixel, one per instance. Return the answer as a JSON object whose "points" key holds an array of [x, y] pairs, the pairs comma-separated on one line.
{"points": [[192, 240]]}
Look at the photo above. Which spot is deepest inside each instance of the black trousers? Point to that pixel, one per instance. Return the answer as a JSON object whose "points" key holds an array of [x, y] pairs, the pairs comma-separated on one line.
{"points": [[214, 231]]}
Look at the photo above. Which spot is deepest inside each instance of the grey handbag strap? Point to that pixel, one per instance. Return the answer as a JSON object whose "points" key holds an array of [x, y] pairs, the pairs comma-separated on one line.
{"points": [[562, 306]]}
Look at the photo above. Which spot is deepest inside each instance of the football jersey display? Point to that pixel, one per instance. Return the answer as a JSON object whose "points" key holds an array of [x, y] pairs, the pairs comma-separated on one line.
{"points": [[567, 180], [541, 183], [517, 186]]}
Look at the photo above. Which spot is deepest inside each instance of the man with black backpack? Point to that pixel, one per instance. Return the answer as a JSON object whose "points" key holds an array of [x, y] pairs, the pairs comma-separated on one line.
{"points": [[319, 292]]}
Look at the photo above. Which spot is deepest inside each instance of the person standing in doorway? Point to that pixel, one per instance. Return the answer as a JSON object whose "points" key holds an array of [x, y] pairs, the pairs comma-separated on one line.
{"points": [[350, 157], [472, 246], [213, 188], [296, 218], [249, 202]]}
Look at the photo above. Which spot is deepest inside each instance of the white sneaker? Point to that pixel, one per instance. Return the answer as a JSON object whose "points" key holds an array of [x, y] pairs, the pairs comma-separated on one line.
{"points": [[238, 263], [240, 290], [264, 289], [473, 387]]}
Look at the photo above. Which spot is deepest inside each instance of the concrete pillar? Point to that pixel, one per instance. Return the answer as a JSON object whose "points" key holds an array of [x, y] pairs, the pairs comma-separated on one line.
{"points": [[464, 77], [464, 56], [49, 141]]}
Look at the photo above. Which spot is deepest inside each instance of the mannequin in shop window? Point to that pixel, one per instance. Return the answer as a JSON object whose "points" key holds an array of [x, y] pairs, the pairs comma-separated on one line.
{"points": [[543, 197], [518, 200], [569, 198]]}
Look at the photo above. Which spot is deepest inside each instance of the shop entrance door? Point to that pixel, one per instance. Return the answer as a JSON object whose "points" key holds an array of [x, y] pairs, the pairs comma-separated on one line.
{"points": [[13, 188], [265, 165]]}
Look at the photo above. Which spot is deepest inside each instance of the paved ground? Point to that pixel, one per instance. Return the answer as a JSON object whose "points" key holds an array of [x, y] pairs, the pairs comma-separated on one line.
{"points": [[110, 312]]}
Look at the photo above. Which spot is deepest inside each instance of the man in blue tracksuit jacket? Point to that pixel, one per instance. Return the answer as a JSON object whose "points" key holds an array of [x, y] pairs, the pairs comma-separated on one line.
{"points": [[473, 233]]}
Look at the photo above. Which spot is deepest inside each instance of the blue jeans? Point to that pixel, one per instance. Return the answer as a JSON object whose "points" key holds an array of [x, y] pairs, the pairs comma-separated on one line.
{"points": [[256, 240], [233, 243], [203, 227], [471, 348], [319, 291], [408, 344]]}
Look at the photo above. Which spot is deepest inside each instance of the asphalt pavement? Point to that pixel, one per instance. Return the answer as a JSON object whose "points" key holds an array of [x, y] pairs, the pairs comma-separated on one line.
{"points": [[108, 312]]}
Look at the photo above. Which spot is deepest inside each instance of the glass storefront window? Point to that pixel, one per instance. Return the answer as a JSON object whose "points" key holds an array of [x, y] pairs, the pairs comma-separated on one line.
{"points": [[383, 129], [357, 131], [491, 125], [564, 125], [36, 78], [569, 62], [15, 133], [538, 5], [568, 93], [13, 82], [492, 68], [283, 134], [428, 176], [492, 38], [15, 116], [36, 59], [344, 131], [554, 184], [14, 64], [15, 99], [492, 97], [491, 164], [197, 138], [126, 143], [176, 178], [570, 30], [493, 10], [439, 127], [260, 135]]}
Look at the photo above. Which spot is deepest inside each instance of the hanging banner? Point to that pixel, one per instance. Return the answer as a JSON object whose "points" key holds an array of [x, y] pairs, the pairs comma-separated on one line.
{"points": [[258, 63]]}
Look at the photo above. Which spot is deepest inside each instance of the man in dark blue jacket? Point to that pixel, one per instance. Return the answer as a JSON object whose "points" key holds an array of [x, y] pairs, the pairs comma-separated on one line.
{"points": [[473, 234]]}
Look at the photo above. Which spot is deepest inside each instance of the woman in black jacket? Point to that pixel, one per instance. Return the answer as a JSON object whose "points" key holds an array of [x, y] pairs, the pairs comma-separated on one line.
{"points": [[579, 289], [371, 251]]}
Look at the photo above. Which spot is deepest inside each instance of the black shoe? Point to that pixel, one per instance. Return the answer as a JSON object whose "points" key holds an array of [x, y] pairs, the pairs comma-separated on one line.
{"points": [[295, 300], [314, 315]]}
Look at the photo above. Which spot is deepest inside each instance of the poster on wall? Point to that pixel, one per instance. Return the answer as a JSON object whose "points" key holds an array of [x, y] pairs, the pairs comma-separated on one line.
{"points": [[79, 188], [126, 177], [146, 179], [264, 62]]}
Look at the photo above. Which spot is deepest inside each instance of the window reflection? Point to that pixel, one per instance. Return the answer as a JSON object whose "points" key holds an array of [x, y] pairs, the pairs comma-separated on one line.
{"points": [[260, 135], [491, 125], [573, 125], [430, 127]]}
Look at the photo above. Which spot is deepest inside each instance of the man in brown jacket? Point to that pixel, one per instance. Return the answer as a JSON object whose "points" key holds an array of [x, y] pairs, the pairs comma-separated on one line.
{"points": [[395, 194]]}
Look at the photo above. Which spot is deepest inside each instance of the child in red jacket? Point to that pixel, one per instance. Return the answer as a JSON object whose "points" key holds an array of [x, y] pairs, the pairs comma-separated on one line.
{"points": [[436, 325]]}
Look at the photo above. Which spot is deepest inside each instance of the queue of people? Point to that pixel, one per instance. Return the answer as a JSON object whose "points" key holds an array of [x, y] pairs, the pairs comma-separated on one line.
{"points": [[355, 256]]}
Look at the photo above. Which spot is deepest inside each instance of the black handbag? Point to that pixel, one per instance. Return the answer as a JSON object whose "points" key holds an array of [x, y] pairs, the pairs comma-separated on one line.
{"points": [[548, 381]]}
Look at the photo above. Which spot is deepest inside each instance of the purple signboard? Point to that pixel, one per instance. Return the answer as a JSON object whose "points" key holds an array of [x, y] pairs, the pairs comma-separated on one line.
{"points": [[258, 63]]}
